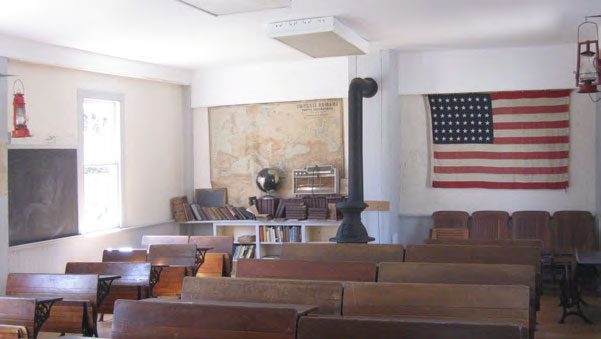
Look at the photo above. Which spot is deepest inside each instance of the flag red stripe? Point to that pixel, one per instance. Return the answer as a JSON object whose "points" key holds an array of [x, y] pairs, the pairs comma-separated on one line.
{"points": [[532, 140], [501, 170], [502, 155], [531, 94], [531, 109], [532, 124], [500, 185]]}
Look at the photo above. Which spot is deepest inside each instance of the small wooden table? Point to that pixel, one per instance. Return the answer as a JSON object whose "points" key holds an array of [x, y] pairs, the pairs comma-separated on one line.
{"points": [[572, 283]]}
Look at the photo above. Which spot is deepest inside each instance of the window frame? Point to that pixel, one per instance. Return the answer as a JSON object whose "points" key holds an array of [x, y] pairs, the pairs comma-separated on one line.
{"points": [[108, 96]]}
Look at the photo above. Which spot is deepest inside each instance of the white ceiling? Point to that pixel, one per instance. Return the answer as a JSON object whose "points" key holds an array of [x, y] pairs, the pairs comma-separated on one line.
{"points": [[170, 33]]}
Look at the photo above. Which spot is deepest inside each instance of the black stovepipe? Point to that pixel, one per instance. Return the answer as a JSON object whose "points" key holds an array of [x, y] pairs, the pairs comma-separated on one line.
{"points": [[351, 229]]}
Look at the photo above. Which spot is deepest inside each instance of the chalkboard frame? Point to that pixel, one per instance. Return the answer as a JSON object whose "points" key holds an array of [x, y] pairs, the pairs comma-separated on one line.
{"points": [[210, 197]]}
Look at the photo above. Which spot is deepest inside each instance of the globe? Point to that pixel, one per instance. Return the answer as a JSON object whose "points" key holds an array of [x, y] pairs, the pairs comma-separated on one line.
{"points": [[267, 180]]}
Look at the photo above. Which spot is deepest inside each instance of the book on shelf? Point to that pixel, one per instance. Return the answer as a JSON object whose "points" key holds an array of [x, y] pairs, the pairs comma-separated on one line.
{"points": [[195, 212], [280, 233], [244, 251]]}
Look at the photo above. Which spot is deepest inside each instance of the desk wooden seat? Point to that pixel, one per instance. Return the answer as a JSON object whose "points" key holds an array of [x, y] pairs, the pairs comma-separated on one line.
{"points": [[320, 327], [514, 255], [166, 319], [306, 270], [180, 258], [148, 240], [76, 313], [326, 295], [124, 255], [133, 284], [218, 260], [13, 331], [507, 303], [342, 252], [449, 273]]}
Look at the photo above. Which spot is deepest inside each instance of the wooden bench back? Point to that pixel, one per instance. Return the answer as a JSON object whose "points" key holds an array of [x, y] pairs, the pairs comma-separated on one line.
{"points": [[67, 286], [18, 312], [124, 256], [316, 327], [220, 244], [518, 255], [449, 273], [450, 219], [509, 303], [342, 252], [178, 254], [573, 230], [139, 319], [306, 270], [450, 233], [132, 274], [533, 225], [327, 295], [486, 242], [148, 240], [490, 225]]}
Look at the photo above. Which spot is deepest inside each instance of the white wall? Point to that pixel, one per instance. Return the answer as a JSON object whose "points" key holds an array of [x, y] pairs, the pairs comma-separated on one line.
{"points": [[271, 82]]}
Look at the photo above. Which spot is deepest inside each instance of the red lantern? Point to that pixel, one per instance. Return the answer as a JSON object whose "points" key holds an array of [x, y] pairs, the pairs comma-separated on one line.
{"points": [[588, 71], [19, 117]]}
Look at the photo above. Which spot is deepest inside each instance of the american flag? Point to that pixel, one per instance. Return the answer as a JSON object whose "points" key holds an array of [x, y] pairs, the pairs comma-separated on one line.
{"points": [[501, 140]]}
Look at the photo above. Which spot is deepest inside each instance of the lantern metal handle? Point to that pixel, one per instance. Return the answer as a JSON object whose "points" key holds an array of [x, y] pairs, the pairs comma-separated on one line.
{"points": [[22, 86]]}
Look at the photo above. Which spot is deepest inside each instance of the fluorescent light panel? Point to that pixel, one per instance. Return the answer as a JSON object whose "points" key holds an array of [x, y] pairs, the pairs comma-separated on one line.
{"points": [[225, 7], [318, 37]]}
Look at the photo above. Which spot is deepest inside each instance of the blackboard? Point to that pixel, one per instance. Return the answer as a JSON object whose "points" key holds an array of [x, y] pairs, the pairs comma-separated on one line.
{"points": [[210, 197], [42, 194]]}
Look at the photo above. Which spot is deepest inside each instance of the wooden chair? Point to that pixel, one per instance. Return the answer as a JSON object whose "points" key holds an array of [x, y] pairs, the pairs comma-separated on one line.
{"points": [[179, 260], [533, 225], [450, 219], [446, 273], [133, 284], [319, 327], [156, 319], [148, 240], [490, 225], [326, 295], [124, 255], [76, 313], [306, 270], [450, 233], [218, 261], [573, 230], [438, 301], [343, 252]]}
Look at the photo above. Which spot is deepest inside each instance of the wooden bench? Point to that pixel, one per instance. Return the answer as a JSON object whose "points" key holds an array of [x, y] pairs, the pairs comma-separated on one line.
{"points": [[326, 295], [133, 284], [507, 303], [156, 318], [148, 240], [218, 261], [178, 261], [342, 252], [13, 331], [76, 313], [513, 255], [124, 255], [449, 233], [319, 327], [449, 273], [21, 317], [486, 242], [306, 270]]}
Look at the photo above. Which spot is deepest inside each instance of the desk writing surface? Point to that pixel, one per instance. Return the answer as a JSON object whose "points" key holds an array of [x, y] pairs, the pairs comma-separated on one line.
{"points": [[300, 309], [589, 258]]}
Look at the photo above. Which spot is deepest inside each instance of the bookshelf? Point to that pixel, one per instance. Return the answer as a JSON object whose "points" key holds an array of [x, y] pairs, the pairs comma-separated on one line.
{"points": [[310, 231]]}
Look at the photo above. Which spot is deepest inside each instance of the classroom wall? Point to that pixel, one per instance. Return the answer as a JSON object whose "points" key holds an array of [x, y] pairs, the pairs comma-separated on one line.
{"points": [[153, 147]]}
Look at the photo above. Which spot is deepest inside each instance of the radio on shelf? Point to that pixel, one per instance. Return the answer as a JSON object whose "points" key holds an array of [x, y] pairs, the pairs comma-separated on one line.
{"points": [[313, 180]]}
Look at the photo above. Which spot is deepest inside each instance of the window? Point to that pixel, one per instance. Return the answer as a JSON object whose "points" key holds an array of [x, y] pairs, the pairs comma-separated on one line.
{"points": [[101, 145]]}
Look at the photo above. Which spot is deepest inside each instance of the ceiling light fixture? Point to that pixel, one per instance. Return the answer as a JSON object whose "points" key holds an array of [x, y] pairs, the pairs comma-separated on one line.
{"points": [[319, 37], [226, 7]]}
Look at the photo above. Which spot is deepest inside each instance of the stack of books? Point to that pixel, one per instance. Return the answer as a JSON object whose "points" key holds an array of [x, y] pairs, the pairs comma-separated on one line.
{"points": [[267, 205], [244, 251], [318, 213], [296, 210], [178, 208], [280, 233], [228, 212]]}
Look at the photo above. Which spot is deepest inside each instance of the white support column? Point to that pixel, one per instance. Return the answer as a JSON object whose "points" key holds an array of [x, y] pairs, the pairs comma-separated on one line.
{"points": [[3, 167], [381, 151], [598, 169]]}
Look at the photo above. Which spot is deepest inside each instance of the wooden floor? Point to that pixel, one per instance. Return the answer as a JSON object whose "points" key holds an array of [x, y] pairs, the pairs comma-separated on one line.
{"points": [[548, 328]]}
